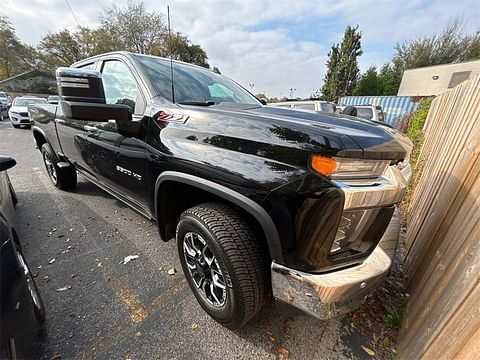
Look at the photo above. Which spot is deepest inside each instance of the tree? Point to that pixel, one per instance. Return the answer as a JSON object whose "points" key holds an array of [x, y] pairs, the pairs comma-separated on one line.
{"points": [[389, 78], [342, 65], [137, 29], [450, 46], [369, 83], [15, 57], [59, 49], [180, 48]]}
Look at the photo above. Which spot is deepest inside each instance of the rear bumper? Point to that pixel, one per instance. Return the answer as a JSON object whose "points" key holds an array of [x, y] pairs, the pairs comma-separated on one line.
{"points": [[327, 295]]}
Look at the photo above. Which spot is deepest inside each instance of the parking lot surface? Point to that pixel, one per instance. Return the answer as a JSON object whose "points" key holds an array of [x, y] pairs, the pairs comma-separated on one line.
{"points": [[100, 308]]}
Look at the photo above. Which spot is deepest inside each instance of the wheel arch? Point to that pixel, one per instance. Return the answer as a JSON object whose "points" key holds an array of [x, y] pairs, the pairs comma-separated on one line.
{"points": [[39, 136], [220, 192]]}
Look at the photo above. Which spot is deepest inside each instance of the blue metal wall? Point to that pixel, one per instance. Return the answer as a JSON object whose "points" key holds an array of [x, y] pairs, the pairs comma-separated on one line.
{"points": [[393, 106]]}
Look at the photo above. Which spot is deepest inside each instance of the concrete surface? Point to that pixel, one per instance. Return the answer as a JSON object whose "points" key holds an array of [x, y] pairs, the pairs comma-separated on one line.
{"points": [[137, 310]]}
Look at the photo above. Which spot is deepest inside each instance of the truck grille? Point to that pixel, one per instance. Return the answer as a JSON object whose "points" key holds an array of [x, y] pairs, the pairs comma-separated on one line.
{"points": [[24, 114]]}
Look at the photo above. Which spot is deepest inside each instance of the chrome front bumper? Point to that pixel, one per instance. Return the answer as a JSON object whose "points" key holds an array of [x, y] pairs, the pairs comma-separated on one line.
{"points": [[327, 295]]}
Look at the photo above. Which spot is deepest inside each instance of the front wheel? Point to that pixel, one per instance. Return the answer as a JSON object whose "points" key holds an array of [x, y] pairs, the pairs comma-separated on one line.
{"points": [[225, 265]]}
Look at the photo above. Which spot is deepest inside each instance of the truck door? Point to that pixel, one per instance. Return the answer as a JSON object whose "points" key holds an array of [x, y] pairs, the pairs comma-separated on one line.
{"points": [[119, 162], [72, 134]]}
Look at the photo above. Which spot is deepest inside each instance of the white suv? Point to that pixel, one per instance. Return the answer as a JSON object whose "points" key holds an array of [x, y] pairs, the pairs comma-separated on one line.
{"points": [[314, 105]]}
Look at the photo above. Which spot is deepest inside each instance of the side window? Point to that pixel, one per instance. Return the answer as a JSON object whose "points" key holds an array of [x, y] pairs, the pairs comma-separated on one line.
{"points": [[120, 86], [88, 66]]}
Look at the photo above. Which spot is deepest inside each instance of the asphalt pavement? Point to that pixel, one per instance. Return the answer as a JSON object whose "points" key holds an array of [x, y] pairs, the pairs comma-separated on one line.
{"points": [[100, 308]]}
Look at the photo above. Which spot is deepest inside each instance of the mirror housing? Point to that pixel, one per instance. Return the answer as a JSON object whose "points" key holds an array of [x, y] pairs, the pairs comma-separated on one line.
{"points": [[6, 162], [82, 96]]}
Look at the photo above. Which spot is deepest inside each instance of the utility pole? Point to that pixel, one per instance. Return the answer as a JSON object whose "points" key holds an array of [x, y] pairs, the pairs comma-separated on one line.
{"points": [[251, 87]]}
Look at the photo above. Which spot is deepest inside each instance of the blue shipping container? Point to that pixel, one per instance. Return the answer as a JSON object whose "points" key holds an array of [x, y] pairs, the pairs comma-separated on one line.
{"points": [[393, 106]]}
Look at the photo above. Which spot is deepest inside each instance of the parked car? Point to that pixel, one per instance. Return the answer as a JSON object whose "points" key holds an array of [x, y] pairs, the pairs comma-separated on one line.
{"points": [[368, 112], [3, 111], [261, 199], [5, 99], [53, 99], [314, 105], [18, 113], [22, 312]]}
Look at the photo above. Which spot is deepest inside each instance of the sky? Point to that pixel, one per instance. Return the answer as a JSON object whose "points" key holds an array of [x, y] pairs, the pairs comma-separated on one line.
{"points": [[267, 46]]}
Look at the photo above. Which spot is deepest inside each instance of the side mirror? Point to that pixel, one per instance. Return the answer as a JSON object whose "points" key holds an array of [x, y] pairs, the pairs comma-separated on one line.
{"points": [[82, 96], [6, 162]]}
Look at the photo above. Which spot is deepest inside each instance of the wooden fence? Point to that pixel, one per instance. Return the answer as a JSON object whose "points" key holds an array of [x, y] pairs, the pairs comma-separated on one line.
{"points": [[442, 318]]}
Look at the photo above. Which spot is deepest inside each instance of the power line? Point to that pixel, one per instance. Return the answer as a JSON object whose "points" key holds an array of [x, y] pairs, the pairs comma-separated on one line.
{"points": [[71, 10]]}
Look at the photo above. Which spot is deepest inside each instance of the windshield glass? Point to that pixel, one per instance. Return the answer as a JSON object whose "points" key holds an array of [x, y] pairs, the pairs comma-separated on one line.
{"points": [[26, 102], [193, 84], [365, 113]]}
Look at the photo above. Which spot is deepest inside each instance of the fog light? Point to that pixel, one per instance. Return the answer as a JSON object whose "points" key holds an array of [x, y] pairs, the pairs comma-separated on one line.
{"points": [[351, 230]]}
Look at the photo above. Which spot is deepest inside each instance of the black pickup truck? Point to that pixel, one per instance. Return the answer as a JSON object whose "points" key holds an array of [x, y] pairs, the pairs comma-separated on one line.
{"points": [[260, 199]]}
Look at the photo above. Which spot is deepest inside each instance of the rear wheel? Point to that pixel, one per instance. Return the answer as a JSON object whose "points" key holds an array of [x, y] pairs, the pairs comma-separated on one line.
{"points": [[63, 178], [225, 265]]}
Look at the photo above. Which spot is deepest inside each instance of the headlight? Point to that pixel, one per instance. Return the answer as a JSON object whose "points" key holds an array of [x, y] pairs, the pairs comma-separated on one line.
{"points": [[345, 168]]}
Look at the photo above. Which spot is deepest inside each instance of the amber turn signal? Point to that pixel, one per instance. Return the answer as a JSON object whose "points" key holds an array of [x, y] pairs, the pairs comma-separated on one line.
{"points": [[323, 165]]}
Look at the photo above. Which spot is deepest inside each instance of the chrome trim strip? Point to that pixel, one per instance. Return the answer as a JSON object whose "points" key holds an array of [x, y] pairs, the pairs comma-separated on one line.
{"points": [[324, 296], [386, 190]]}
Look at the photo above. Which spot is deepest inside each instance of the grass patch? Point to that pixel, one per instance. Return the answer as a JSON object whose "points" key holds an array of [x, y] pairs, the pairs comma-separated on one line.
{"points": [[391, 317]]}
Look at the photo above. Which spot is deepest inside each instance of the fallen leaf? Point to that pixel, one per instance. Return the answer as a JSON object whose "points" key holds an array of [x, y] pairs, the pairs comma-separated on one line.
{"points": [[283, 352], [138, 333], [83, 232], [270, 336], [52, 260], [56, 357], [129, 258], [171, 271], [99, 264], [65, 288], [194, 326], [386, 341], [368, 350]]}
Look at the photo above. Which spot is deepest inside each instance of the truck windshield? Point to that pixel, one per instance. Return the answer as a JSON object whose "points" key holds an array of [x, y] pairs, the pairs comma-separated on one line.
{"points": [[193, 85]]}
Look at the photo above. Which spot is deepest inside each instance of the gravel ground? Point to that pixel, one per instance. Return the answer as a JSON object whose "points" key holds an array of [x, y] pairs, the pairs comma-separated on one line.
{"points": [[76, 242]]}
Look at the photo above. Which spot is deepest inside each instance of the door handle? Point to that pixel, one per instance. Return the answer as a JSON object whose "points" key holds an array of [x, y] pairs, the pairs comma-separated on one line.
{"points": [[90, 129]]}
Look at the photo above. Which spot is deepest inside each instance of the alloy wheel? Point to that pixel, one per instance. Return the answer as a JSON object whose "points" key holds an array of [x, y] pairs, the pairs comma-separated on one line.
{"points": [[52, 172], [204, 269]]}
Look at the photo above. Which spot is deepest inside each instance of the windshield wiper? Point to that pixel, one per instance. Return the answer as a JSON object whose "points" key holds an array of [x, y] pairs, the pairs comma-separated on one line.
{"points": [[197, 103]]}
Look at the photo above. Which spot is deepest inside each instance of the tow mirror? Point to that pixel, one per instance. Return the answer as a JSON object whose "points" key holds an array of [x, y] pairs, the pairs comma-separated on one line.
{"points": [[6, 162], [82, 97]]}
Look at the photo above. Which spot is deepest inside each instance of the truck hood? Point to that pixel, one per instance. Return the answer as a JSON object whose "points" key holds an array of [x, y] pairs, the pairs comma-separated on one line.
{"points": [[332, 134], [19, 109]]}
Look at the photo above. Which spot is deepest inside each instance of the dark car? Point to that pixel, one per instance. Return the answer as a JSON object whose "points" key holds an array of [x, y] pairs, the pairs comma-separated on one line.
{"points": [[22, 312]]}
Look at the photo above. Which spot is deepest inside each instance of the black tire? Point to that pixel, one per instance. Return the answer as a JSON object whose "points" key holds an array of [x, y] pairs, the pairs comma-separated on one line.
{"points": [[16, 126], [63, 178], [37, 302], [241, 258]]}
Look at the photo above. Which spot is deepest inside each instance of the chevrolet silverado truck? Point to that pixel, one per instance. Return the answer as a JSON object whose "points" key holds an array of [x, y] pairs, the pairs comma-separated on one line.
{"points": [[261, 200]]}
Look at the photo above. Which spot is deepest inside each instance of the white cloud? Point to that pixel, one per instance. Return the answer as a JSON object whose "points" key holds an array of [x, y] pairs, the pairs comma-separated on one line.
{"points": [[259, 42]]}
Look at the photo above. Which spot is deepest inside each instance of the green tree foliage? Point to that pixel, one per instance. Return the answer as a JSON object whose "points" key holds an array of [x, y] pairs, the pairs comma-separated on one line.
{"points": [[450, 46], [180, 48], [15, 57], [342, 65], [128, 28], [369, 83], [134, 28], [383, 82]]}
